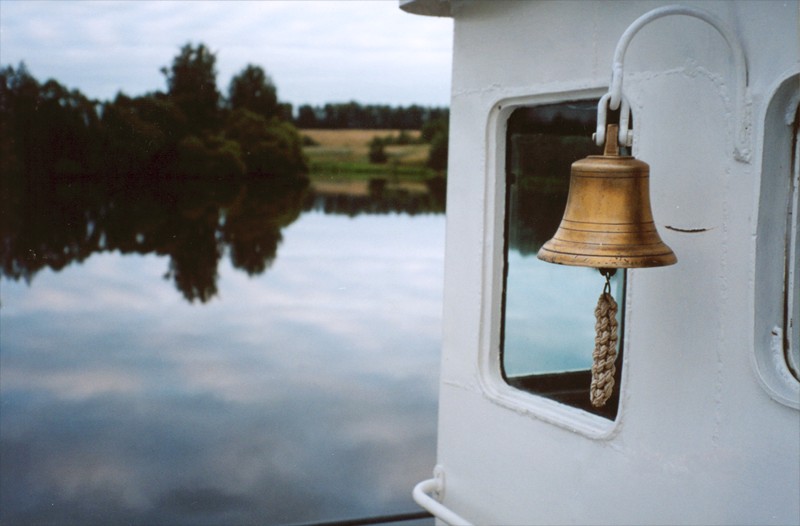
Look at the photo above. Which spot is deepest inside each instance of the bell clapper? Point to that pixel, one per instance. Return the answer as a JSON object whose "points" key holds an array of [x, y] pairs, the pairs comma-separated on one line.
{"points": [[605, 344]]}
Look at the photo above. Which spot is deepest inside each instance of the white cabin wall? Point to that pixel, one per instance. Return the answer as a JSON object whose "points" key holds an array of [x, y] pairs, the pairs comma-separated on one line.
{"points": [[698, 440]]}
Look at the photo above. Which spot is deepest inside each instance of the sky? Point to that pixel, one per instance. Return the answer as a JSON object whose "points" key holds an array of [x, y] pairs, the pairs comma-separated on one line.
{"points": [[315, 51]]}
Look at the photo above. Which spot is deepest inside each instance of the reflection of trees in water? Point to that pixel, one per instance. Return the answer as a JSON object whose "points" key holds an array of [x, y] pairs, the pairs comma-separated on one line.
{"points": [[194, 223], [54, 222], [543, 142], [382, 198], [540, 170]]}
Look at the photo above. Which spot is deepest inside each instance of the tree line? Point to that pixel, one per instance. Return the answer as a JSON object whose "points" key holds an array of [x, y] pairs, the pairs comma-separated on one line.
{"points": [[189, 130], [371, 116]]}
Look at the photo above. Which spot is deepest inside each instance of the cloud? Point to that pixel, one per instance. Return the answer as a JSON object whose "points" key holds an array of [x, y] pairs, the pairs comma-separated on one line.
{"points": [[316, 52], [71, 384], [317, 455], [276, 403]]}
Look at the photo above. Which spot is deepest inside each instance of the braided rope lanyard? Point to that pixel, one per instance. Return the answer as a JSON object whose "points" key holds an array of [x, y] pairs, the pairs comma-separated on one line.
{"points": [[605, 345]]}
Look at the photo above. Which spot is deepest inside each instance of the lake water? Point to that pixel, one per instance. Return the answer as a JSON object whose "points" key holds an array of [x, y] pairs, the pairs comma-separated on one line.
{"points": [[296, 386]]}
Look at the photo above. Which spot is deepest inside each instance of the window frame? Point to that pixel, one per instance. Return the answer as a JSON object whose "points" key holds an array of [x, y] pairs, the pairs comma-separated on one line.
{"points": [[490, 378], [572, 386], [774, 283]]}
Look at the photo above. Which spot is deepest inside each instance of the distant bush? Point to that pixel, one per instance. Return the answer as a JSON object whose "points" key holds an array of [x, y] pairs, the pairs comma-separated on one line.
{"points": [[377, 152], [437, 157], [432, 127]]}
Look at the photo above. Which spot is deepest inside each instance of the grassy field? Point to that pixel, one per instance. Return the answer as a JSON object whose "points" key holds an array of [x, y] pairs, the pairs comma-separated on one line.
{"points": [[344, 154]]}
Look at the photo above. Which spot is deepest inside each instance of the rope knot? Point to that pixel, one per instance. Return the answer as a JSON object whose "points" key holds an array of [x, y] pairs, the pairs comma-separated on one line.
{"points": [[605, 347]]}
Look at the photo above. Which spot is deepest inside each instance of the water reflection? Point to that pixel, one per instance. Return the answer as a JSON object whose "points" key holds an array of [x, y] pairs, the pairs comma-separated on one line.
{"points": [[194, 223], [379, 196], [305, 392]]}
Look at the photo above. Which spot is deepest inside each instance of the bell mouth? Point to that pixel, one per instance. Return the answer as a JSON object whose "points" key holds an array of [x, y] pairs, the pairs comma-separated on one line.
{"points": [[581, 255]]}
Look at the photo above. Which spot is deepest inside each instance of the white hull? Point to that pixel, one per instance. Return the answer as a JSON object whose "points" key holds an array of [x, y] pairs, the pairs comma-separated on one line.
{"points": [[708, 428]]}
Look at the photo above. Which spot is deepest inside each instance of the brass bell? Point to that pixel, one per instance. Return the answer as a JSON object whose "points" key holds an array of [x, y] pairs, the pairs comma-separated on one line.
{"points": [[607, 222]]}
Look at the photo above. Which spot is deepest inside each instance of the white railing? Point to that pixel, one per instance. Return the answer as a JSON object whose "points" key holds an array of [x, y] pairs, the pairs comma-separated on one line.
{"points": [[422, 496]]}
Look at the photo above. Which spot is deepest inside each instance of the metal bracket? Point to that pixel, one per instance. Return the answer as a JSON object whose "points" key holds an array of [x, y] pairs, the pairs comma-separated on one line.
{"points": [[741, 150]]}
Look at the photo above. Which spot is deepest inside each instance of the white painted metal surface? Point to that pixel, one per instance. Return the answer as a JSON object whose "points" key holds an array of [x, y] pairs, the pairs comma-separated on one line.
{"points": [[708, 430]]}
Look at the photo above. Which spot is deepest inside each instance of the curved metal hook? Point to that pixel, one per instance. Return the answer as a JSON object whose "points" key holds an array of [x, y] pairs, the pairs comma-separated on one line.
{"points": [[741, 150]]}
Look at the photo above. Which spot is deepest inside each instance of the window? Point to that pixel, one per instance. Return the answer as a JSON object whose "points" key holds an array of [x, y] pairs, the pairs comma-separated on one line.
{"points": [[777, 285], [791, 312], [548, 318]]}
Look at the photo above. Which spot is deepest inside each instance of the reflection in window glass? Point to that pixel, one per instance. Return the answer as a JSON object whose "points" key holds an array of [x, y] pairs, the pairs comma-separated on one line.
{"points": [[548, 310], [792, 287]]}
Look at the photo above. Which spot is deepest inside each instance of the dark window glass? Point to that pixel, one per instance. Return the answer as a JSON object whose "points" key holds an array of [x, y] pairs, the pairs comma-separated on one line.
{"points": [[548, 310]]}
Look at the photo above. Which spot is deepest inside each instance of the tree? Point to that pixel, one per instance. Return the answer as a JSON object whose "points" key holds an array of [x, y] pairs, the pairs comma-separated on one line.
{"points": [[377, 153], [269, 147], [253, 90], [436, 132], [437, 156], [210, 158], [432, 127], [192, 85], [46, 129], [375, 117], [19, 102], [140, 135], [306, 117]]}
